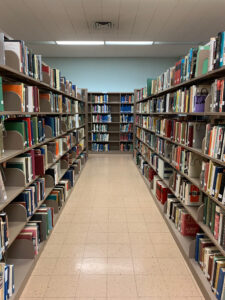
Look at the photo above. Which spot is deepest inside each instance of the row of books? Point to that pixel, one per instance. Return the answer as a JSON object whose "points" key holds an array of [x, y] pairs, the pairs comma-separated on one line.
{"points": [[126, 128], [99, 98], [100, 108], [126, 119], [197, 62], [126, 147], [209, 258], [100, 137], [127, 99], [126, 137], [211, 176], [187, 192], [32, 196], [212, 264], [32, 65], [126, 108], [100, 147], [39, 227], [31, 99], [213, 217], [212, 180], [183, 221], [32, 129], [191, 134], [99, 127], [7, 282], [102, 118], [175, 210]]}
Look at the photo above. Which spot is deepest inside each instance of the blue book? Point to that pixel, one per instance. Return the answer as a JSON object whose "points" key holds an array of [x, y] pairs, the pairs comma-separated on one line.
{"points": [[198, 237], [217, 171], [6, 279], [221, 49], [220, 283]]}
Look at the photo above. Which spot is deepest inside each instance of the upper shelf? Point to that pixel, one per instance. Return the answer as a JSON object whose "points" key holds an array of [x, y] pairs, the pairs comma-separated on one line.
{"points": [[15, 75], [206, 77]]}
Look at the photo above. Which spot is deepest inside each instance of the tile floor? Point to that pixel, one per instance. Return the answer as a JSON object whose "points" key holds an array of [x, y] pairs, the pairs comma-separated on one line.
{"points": [[111, 242]]}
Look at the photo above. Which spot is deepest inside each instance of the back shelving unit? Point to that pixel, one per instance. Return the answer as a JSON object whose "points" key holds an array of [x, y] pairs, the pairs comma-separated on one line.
{"points": [[59, 172], [175, 147], [110, 122]]}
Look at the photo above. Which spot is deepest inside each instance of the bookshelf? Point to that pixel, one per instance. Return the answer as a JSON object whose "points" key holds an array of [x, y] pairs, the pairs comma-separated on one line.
{"points": [[149, 144], [71, 136], [110, 122]]}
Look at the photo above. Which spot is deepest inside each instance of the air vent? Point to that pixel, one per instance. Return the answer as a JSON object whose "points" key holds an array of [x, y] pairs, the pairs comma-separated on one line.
{"points": [[102, 25]]}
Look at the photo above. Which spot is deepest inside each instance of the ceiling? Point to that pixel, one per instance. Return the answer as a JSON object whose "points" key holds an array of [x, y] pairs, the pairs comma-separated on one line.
{"points": [[180, 21]]}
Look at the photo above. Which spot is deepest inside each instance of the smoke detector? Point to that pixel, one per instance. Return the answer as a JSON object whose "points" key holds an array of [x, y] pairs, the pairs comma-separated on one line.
{"points": [[102, 25]]}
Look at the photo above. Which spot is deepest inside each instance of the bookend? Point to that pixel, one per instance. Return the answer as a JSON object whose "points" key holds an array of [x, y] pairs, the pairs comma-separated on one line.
{"points": [[63, 126], [64, 108], [17, 249], [48, 131], [49, 181], [16, 212], [65, 147], [62, 87], [200, 212], [64, 165], [14, 177], [12, 102], [12, 60], [46, 78], [50, 157], [13, 140], [208, 102], [45, 105]]}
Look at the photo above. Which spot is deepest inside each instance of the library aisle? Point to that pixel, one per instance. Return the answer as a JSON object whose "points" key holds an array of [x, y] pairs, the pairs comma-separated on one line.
{"points": [[111, 242]]}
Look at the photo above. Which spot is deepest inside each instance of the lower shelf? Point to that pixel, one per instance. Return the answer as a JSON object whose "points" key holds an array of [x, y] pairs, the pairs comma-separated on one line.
{"points": [[110, 152], [185, 245], [24, 267]]}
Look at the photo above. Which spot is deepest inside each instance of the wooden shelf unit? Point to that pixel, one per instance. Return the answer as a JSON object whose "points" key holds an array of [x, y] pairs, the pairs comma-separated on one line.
{"points": [[23, 267], [195, 212], [115, 134]]}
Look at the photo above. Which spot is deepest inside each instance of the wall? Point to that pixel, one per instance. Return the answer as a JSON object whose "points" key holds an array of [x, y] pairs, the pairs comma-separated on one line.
{"points": [[110, 74]]}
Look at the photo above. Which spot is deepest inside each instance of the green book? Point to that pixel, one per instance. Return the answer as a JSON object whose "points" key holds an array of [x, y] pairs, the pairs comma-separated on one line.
{"points": [[1, 96], [26, 133], [205, 201], [213, 209], [16, 126], [202, 60], [34, 121], [208, 215], [149, 86], [52, 197]]}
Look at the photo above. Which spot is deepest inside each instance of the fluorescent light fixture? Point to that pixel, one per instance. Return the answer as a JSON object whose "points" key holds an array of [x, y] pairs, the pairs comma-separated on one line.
{"points": [[80, 43], [129, 43]]}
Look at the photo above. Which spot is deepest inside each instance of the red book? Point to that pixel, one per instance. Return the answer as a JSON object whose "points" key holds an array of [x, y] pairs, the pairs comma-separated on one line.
{"points": [[178, 71], [39, 165], [45, 68], [174, 130], [190, 135], [164, 193], [178, 157], [217, 224], [194, 194], [188, 226], [168, 128], [158, 190]]}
